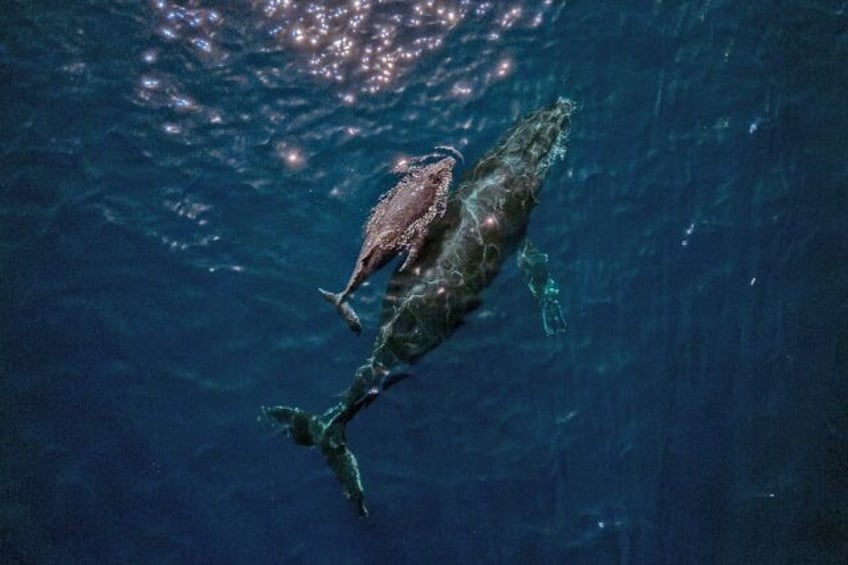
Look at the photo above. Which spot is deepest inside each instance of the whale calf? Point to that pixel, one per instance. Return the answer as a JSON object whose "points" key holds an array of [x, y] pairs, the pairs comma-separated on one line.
{"points": [[399, 222], [484, 223]]}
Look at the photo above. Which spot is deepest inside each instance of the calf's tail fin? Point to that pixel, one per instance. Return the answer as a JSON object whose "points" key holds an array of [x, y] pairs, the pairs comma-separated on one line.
{"points": [[329, 436], [339, 300]]}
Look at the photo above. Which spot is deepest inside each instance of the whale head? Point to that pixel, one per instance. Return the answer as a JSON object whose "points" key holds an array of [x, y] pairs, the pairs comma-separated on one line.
{"points": [[539, 139]]}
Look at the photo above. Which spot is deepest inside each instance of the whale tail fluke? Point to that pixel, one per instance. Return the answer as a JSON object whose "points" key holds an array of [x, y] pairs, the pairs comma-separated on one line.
{"points": [[339, 300], [311, 431]]}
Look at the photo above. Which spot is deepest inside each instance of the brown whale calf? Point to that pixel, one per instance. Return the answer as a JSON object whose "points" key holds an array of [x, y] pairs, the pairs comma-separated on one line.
{"points": [[400, 222]]}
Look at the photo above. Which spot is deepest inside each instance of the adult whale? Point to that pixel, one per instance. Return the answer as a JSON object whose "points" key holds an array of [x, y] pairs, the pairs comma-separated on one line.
{"points": [[485, 222]]}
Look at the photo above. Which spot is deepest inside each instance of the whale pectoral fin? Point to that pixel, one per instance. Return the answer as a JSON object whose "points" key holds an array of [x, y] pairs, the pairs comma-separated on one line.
{"points": [[411, 256], [534, 264], [414, 248]]}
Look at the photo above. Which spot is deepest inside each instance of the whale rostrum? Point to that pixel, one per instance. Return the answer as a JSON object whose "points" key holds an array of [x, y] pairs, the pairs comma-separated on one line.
{"points": [[483, 223], [399, 223]]}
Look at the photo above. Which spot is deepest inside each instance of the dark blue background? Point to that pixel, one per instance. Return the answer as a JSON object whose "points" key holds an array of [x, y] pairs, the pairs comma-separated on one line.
{"points": [[159, 260]]}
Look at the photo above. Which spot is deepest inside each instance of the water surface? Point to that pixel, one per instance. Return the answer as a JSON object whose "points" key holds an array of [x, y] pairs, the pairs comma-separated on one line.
{"points": [[179, 179]]}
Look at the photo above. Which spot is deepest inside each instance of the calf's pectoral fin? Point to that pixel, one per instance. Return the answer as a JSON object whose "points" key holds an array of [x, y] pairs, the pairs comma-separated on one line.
{"points": [[534, 264], [411, 255], [414, 248]]}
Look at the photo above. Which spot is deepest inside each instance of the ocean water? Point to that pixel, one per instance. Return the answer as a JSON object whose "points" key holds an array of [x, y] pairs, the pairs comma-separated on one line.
{"points": [[178, 178]]}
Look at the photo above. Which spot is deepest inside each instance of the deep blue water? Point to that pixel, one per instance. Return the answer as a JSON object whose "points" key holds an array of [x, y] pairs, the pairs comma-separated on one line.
{"points": [[177, 180]]}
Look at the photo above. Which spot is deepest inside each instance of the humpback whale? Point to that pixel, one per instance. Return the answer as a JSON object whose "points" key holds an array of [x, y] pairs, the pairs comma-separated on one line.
{"points": [[399, 222], [484, 223]]}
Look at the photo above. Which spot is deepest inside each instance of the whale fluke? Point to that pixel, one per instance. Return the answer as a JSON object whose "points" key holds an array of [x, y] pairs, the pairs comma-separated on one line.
{"points": [[329, 436], [346, 310]]}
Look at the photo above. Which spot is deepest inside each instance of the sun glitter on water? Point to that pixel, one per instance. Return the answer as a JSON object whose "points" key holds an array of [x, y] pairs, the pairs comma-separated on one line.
{"points": [[373, 42], [369, 39]]}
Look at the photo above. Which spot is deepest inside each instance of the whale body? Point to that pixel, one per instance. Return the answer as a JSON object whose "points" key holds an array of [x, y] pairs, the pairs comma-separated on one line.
{"points": [[399, 222], [484, 223]]}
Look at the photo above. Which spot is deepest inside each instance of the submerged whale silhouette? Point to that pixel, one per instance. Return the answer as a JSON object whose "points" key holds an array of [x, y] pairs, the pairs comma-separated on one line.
{"points": [[484, 223]]}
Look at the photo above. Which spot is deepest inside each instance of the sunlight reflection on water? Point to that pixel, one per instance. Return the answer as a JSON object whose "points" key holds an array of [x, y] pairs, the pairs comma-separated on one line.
{"points": [[363, 46]]}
